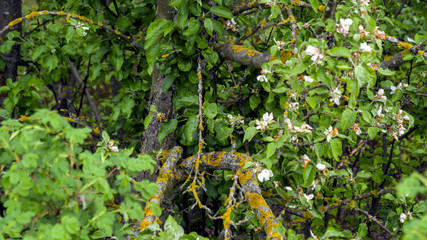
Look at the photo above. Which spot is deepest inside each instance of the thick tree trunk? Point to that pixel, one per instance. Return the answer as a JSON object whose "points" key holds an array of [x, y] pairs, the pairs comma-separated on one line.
{"points": [[162, 101], [9, 11]]}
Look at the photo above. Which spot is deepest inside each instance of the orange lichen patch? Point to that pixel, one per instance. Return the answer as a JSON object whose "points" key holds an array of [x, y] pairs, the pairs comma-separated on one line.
{"points": [[420, 52], [263, 22], [199, 75], [14, 22], [32, 15], [245, 176], [215, 160], [285, 55], [23, 118], [69, 119], [248, 32], [117, 32], [61, 13], [45, 12], [252, 52], [144, 224], [255, 200], [270, 224], [252, 3], [387, 57], [243, 159], [322, 8], [308, 215], [238, 48], [404, 45]]}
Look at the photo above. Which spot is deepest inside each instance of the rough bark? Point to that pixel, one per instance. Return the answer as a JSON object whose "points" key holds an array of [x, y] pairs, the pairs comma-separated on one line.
{"points": [[9, 11], [162, 101]]}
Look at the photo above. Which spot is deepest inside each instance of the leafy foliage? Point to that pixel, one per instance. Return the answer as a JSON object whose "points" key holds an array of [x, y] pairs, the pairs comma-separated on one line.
{"points": [[326, 115]]}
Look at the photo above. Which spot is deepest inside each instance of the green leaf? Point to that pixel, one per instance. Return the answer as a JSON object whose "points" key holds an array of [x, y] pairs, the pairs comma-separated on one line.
{"points": [[315, 5], [210, 110], [155, 30], [254, 101], [362, 231], [193, 27], [184, 64], [275, 10], [183, 11], [191, 127], [249, 133], [340, 52], [372, 132], [167, 128], [38, 51], [222, 12], [386, 72], [347, 119], [271, 149], [208, 26], [309, 175], [336, 147], [176, 3], [311, 101], [365, 76], [316, 213]]}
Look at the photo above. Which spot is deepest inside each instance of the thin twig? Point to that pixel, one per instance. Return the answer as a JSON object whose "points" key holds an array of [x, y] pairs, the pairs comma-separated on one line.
{"points": [[88, 97]]}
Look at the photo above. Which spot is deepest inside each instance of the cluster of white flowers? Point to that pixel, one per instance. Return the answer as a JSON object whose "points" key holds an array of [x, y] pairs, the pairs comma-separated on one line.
{"points": [[83, 27], [265, 175], [404, 216], [380, 94], [363, 32], [365, 47], [379, 34], [335, 96], [231, 24], [234, 121], [330, 132], [308, 79], [293, 106], [400, 87], [320, 166], [305, 128], [401, 118], [112, 147], [305, 160], [316, 56], [263, 77], [280, 44], [356, 128], [263, 124], [308, 197], [380, 112], [344, 26]]}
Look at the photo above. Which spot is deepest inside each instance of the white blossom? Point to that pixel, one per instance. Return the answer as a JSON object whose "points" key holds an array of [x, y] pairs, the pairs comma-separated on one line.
{"points": [[114, 149], [380, 94], [356, 128], [308, 197], [400, 87], [288, 188], [308, 79], [265, 175], [261, 125], [320, 166], [268, 117], [330, 132], [365, 47], [316, 56], [403, 217], [345, 26], [293, 106], [336, 95], [261, 78], [380, 112], [280, 44]]}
